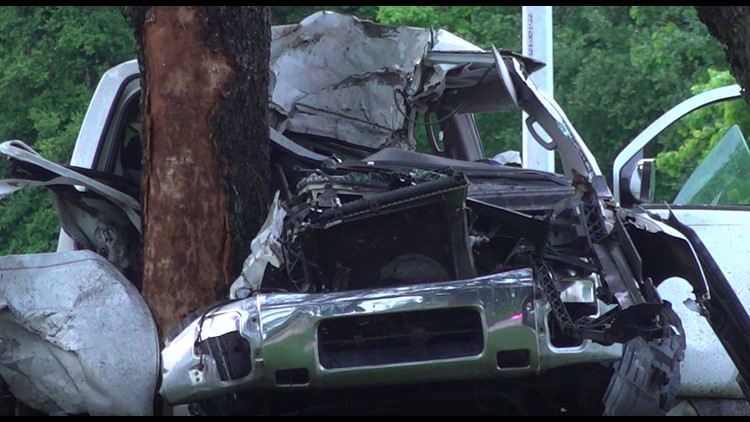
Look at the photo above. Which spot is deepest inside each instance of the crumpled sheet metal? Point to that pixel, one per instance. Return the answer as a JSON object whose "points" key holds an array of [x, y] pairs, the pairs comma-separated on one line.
{"points": [[265, 249], [334, 75], [76, 336], [18, 150], [339, 77]]}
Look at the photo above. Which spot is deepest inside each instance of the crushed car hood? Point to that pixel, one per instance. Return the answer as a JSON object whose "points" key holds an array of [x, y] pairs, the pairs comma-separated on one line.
{"points": [[346, 90], [361, 92]]}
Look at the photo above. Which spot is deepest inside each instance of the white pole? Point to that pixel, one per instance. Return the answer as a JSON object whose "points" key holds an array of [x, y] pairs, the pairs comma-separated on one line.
{"points": [[536, 27]]}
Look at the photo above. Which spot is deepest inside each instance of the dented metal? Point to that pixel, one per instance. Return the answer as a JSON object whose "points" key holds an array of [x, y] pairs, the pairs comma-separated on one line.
{"points": [[77, 336], [265, 249], [21, 152]]}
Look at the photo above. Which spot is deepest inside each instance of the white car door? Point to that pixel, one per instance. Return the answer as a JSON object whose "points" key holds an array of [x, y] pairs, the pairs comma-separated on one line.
{"points": [[96, 145], [705, 186]]}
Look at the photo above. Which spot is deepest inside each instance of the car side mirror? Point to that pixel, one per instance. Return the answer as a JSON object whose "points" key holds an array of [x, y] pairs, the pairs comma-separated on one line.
{"points": [[643, 180]]}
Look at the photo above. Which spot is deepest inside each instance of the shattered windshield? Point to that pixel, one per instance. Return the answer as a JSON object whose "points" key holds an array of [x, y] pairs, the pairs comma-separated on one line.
{"points": [[721, 178]]}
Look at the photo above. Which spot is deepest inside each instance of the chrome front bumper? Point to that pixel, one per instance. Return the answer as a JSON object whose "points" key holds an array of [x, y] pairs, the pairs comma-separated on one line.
{"points": [[283, 332]]}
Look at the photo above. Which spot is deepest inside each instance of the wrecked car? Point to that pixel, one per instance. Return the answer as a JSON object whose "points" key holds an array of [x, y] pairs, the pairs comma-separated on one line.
{"points": [[384, 280]]}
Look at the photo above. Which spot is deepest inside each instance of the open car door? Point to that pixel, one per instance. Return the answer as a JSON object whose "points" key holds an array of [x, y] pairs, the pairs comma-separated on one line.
{"points": [[692, 164]]}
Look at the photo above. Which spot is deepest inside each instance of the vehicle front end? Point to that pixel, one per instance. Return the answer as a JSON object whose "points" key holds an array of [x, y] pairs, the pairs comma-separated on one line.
{"points": [[391, 269], [486, 327]]}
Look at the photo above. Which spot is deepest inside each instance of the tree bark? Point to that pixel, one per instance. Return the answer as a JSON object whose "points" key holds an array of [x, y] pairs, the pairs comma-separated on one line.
{"points": [[731, 26], [204, 74]]}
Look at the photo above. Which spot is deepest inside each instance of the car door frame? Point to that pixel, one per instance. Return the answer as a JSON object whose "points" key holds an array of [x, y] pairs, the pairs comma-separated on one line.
{"points": [[106, 105], [627, 159], [707, 221]]}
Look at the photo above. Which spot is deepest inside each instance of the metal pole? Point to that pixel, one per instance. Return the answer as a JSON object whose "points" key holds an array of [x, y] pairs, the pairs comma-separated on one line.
{"points": [[536, 27]]}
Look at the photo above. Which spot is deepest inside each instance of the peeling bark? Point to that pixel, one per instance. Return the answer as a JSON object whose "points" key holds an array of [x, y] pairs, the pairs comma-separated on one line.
{"points": [[206, 155], [731, 26]]}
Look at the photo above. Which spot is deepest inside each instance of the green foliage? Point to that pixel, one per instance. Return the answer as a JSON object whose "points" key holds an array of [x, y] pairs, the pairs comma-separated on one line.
{"points": [[28, 223], [720, 178], [458, 18], [616, 67], [688, 142], [52, 59], [483, 26]]}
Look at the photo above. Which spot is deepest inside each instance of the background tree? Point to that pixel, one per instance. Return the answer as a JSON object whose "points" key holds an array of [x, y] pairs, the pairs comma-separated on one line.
{"points": [[731, 26], [204, 73]]}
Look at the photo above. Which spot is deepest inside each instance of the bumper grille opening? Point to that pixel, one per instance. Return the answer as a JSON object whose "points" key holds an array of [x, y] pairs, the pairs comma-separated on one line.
{"points": [[400, 337], [232, 355], [298, 376], [519, 358]]}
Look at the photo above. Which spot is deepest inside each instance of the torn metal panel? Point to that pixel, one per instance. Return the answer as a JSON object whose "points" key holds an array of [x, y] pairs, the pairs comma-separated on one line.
{"points": [[545, 113], [62, 175], [344, 90], [98, 218], [665, 252], [78, 336], [361, 91], [265, 249], [355, 91]]}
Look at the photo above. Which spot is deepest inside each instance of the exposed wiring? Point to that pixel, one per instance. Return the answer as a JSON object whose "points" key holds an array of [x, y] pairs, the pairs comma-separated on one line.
{"points": [[430, 123], [424, 123]]}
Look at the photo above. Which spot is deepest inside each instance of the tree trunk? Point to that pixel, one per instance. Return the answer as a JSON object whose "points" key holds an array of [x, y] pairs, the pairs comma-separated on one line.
{"points": [[204, 73], [731, 26]]}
